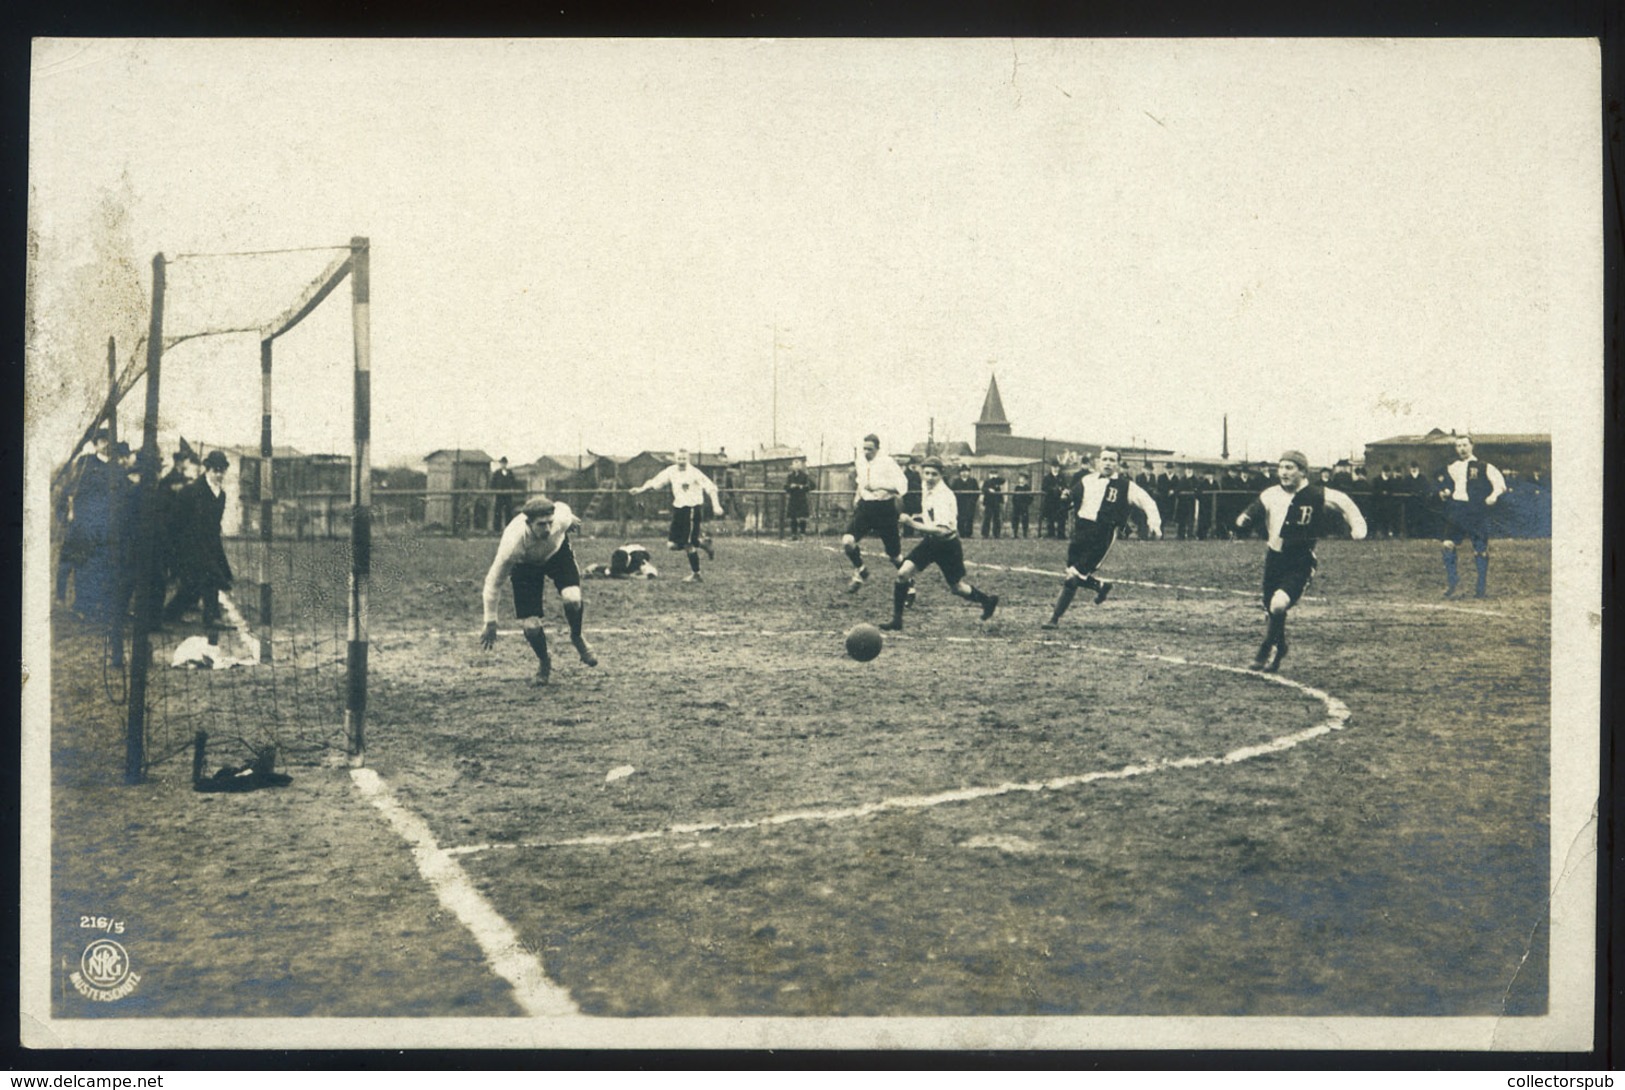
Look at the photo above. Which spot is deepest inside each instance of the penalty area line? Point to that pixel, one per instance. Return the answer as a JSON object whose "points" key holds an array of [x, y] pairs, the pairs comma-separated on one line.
{"points": [[1335, 718], [498, 941]]}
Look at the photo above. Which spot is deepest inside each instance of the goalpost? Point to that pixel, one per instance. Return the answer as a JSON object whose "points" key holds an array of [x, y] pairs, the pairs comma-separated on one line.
{"points": [[352, 262]]}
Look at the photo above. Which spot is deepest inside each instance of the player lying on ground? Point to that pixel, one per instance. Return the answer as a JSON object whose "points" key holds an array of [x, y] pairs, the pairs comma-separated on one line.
{"points": [[1099, 502], [535, 547], [689, 490], [940, 545], [627, 562], [1470, 487], [1296, 513]]}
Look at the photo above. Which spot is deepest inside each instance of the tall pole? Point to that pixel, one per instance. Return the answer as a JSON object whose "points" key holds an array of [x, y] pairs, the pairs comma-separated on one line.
{"points": [[267, 501], [775, 385], [148, 588], [1224, 452], [355, 710]]}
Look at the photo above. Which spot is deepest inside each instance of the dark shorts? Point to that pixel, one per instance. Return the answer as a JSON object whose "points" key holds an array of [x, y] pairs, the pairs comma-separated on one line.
{"points": [[947, 553], [877, 517], [1288, 571], [685, 526], [530, 579], [1090, 543], [1467, 520]]}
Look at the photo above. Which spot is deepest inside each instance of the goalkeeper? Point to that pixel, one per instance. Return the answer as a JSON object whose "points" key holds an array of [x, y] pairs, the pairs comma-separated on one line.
{"points": [[535, 547], [627, 562]]}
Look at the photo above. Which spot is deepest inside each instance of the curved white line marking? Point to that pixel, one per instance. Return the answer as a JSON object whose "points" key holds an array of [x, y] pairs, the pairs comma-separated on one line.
{"points": [[1337, 714], [503, 951]]}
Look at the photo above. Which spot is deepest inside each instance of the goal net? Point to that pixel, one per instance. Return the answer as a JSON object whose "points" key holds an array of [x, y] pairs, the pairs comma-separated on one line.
{"points": [[276, 656]]}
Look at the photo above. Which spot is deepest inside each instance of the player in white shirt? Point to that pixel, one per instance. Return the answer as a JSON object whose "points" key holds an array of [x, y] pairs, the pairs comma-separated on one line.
{"points": [[1469, 487], [1100, 501], [1295, 516], [535, 547], [690, 488], [940, 545], [881, 483]]}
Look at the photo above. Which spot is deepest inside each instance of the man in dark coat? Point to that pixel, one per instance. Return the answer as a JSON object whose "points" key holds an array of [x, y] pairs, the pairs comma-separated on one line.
{"points": [[798, 487], [993, 504], [1051, 515], [200, 558], [967, 488], [506, 485]]}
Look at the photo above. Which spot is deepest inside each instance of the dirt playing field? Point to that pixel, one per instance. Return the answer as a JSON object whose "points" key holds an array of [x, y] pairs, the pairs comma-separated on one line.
{"points": [[730, 817]]}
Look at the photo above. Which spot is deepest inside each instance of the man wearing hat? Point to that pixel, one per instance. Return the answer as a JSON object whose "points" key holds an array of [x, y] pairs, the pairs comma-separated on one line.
{"points": [[1469, 487], [505, 485], [1100, 502], [938, 522], [535, 548], [200, 558], [1294, 514], [86, 547]]}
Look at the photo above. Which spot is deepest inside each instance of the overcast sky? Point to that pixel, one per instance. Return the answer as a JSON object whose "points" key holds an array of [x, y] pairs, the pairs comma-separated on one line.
{"points": [[599, 244]]}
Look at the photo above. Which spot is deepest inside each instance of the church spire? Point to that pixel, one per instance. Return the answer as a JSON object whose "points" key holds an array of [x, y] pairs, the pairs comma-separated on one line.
{"points": [[992, 407]]}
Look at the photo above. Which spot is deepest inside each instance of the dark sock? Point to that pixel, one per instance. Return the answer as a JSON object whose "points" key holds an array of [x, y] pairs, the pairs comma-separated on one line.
{"points": [[899, 595], [538, 643], [1068, 591], [1090, 581], [694, 561], [976, 596], [854, 554], [1450, 566], [572, 613], [1482, 562]]}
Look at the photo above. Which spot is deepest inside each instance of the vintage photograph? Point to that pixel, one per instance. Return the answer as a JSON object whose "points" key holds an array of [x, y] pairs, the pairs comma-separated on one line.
{"points": [[812, 543]]}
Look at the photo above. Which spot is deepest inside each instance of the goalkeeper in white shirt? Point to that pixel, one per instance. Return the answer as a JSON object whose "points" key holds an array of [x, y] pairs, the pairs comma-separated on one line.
{"points": [[535, 548]]}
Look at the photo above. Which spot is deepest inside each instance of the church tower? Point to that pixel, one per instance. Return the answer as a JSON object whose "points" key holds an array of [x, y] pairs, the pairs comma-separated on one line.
{"points": [[992, 422]]}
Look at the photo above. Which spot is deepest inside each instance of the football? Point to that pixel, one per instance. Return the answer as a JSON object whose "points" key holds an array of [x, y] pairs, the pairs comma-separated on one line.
{"points": [[863, 642]]}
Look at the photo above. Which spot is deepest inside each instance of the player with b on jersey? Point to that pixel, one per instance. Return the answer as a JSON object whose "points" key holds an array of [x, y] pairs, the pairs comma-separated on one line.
{"points": [[1295, 516]]}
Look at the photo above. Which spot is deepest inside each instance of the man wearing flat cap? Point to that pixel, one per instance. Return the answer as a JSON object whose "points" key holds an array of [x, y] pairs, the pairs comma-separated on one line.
{"points": [[1294, 515], [535, 548]]}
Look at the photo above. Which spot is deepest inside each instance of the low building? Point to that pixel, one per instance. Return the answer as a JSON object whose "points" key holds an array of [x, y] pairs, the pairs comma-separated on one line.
{"points": [[1519, 452], [448, 473]]}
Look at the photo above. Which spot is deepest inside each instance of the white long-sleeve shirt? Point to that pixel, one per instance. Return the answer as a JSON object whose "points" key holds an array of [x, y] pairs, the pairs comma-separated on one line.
{"points": [[939, 508], [689, 487], [1278, 504], [879, 478], [522, 544]]}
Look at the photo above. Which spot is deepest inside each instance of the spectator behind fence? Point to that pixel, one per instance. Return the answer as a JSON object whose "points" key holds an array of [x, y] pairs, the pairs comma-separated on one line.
{"points": [[506, 486]]}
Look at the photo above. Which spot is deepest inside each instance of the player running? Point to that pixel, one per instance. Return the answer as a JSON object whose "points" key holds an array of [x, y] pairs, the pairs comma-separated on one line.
{"points": [[535, 547], [1101, 502], [938, 522], [880, 483], [690, 488], [1471, 487], [1294, 511]]}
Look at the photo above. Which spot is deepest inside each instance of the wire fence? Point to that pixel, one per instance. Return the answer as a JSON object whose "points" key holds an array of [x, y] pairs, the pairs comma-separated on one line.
{"points": [[766, 512]]}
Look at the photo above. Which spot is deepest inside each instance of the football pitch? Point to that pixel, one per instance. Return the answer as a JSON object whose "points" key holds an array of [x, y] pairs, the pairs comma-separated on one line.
{"points": [[729, 817]]}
